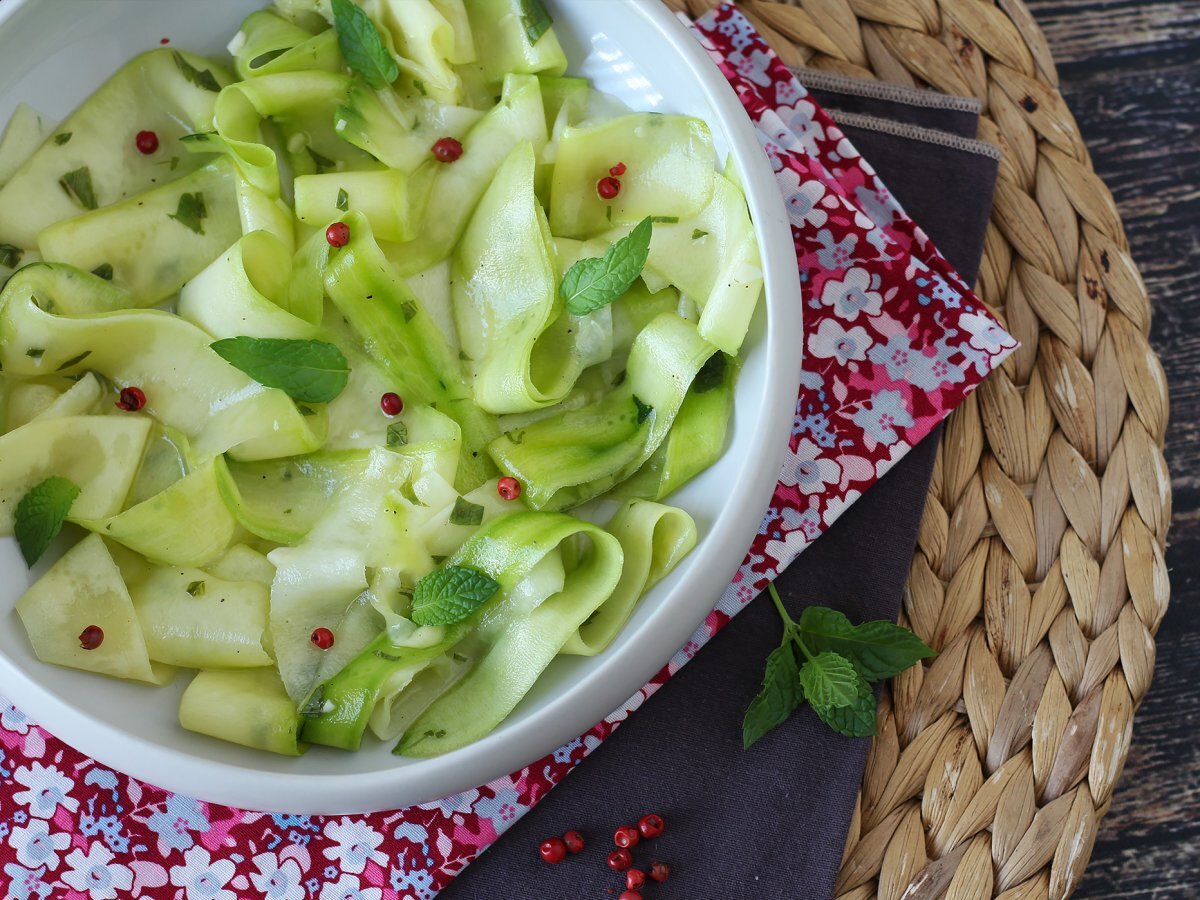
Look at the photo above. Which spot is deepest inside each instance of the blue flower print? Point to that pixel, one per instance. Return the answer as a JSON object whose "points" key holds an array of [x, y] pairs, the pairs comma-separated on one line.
{"points": [[877, 204], [835, 254], [175, 824], [880, 416], [25, 884], [563, 753], [503, 807], [108, 827], [417, 882], [411, 831]]}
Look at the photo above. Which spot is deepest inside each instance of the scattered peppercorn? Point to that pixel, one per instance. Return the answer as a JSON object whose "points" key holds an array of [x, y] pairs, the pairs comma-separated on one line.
{"points": [[573, 839], [391, 404], [620, 860], [91, 637], [509, 489], [618, 169], [630, 895], [553, 850], [608, 187], [322, 638], [447, 150], [131, 399], [634, 879], [651, 826], [338, 234], [146, 142], [660, 871], [626, 836]]}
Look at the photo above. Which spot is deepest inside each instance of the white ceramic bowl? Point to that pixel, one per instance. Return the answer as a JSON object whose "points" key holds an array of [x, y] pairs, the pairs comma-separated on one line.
{"points": [[52, 54]]}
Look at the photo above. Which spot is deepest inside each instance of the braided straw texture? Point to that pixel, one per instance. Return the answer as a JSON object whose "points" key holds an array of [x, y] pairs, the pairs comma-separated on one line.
{"points": [[1039, 573]]}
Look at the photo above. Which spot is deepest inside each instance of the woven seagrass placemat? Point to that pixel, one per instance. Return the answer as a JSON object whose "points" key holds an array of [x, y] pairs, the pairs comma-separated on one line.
{"points": [[1039, 573]]}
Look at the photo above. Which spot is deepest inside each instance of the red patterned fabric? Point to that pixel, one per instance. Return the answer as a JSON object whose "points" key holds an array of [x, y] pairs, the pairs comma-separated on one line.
{"points": [[893, 342]]}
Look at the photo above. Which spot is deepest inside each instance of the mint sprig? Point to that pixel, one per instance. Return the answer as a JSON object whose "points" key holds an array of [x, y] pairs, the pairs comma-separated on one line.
{"points": [[362, 45], [40, 515], [308, 371], [535, 20], [841, 660], [595, 282], [447, 596]]}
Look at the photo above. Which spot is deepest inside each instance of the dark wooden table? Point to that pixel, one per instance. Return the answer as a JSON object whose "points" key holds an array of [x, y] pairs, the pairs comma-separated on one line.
{"points": [[1130, 71]]}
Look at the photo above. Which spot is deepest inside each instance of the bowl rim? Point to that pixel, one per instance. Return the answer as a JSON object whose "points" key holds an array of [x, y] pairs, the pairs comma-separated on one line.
{"points": [[627, 666]]}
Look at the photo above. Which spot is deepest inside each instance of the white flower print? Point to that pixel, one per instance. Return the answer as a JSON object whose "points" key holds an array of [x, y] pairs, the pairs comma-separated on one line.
{"points": [[48, 789], [36, 846], [803, 200], [986, 335], [831, 340], [852, 295], [805, 127], [807, 470], [277, 881], [97, 875], [356, 843], [348, 888], [12, 719], [201, 877]]}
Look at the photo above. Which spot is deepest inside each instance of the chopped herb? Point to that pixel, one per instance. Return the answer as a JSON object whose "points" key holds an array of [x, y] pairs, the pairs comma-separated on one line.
{"points": [[199, 137], [666, 220], [104, 270], [535, 20], [314, 705], [466, 513], [10, 255], [343, 199], [697, 234], [35, 352], [409, 494], [711, 374], [323, 163], [608, 213], [78, 186], [202, 78], [74, 361], [397, 434], [409, 309], [643, 410], [191, 212], [420, 86], [197, 588], [305, 410], [61, 139]]}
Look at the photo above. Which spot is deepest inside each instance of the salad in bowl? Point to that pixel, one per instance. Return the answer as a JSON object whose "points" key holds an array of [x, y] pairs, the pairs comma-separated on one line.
{"points": [[349, 379]]}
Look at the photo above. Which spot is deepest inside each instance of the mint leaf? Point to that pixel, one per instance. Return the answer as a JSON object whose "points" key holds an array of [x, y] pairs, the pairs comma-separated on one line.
{"points": [[878, 649], [10, 255], [397, 434], [466, 513], [778, 699], [592, 283], [104, 270], [74, 361], [362, 45], [829, 680], [61, 139], [343, 199], [697, 234], [322, 163], [449, 595], [191, 212], [308, 371], [40, 514], [855, 720], [202, 78], [535, 19], [197, 588], [78, 185], [665, 220]]}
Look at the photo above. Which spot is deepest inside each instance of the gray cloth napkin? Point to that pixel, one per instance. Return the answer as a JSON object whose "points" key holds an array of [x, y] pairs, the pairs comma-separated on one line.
{"points": [[770, 822]]}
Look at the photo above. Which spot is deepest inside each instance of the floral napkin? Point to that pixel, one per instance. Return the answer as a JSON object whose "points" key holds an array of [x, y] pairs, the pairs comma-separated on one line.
{"points": [[894, 341]]}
